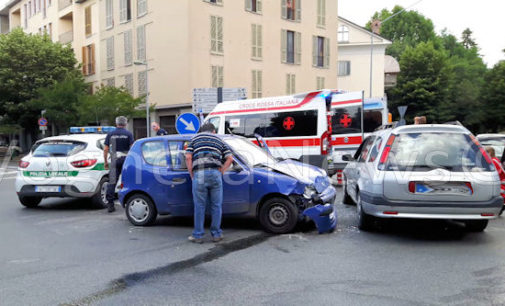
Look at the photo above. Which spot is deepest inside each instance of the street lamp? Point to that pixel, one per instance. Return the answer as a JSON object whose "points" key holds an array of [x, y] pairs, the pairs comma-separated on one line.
{"points": [[378, 24], [148, 125]]}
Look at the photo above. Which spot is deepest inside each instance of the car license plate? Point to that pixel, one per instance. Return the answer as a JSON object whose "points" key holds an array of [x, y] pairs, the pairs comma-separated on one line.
{"points": [[443, 188], [47, 188]]}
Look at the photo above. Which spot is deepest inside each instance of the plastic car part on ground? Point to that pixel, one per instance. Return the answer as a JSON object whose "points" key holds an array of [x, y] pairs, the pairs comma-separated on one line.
{"points": [[323, 216]]}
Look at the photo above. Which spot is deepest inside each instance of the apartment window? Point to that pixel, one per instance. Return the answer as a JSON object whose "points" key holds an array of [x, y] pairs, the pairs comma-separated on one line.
{"points": [[128, 83], [214, 1], [109, 17], [257, 84], [216, 34], [291, 47], [110, 82], [142, 83], [253, 6], [321, 12], [343, 34], [217, 76], [141, 43], [344, 68], [291, 9], [110, 53], [128, 54], [125, 11], [257, 41], [88, 59], [141, 8], [87, 20], [290, 83], [320, 83], [320, 52]]}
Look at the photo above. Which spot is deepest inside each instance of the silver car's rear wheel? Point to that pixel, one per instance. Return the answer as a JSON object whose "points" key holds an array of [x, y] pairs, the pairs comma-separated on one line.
{"points": [[140, 210]]}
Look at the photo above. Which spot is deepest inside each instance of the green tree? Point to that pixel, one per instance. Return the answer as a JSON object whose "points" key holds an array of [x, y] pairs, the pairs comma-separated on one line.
{"points": [[108, 103], [27, 63], [493, 96], [406, 29], [61, 101], [423, 81], [467, 39]]}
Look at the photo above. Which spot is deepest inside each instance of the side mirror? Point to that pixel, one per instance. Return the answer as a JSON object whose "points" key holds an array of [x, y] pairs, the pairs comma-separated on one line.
{"points": [[347, 157], [236, 168]]}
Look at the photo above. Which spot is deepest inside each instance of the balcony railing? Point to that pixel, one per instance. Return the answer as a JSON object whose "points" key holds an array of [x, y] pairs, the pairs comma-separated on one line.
{"points": [[66, 37], [63, 4]]}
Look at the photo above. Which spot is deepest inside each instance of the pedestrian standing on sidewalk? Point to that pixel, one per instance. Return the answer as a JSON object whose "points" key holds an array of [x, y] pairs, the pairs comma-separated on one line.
{"points": [[159, 131], [204, 157], [117, 143]]}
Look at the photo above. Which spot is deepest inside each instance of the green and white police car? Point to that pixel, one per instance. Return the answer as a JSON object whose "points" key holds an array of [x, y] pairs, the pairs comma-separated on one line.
{"points": [[65, 166]]}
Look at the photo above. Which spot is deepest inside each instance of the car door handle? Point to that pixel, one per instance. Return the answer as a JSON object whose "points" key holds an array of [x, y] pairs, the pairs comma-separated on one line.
{"points": [[178, 180]]}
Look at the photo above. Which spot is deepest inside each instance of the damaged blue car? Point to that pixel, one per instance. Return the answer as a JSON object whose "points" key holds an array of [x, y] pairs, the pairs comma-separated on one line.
{"points": [[155, 181]]}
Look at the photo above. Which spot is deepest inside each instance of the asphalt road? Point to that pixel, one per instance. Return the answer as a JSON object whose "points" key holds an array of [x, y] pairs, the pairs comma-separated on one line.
{"points": [[64, 252]]}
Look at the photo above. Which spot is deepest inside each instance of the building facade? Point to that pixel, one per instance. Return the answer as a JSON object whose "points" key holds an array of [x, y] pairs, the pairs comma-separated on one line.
{"points": [[167, 48], [354, 55]]}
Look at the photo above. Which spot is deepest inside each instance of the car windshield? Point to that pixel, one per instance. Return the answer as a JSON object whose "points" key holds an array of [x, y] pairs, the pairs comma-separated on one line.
{"points": [[252, 154], [427, 151], [58, 148], [498, 144]]}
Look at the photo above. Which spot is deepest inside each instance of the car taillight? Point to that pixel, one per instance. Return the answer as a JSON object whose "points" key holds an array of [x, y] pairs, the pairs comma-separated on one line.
{"points": [[325, 143], [83, 163], [412, 187], [385, 152], [23, 164]]}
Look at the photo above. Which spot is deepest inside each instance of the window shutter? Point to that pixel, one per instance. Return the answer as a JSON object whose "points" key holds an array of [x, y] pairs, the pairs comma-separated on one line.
{"points": [[219, 1], [298, 5], [141, 7], [259, 84], [92, 60], [85, 60], [213, 36], [314, 50], [258, 6], [323, 12], [288, 84], [293, 83], [110, 53], [122, 10], [284, 8], [284, 48], [213, 76], [259, 40], [141, 43], [253, 41], [128, 58], [220, 76], [254, 84], [326, 52], [298, 48], [248, 5], [220, 34], [108, 13]]}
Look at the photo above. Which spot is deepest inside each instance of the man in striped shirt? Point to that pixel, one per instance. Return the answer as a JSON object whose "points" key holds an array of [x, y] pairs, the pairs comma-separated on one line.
{"points": [[204, 157]]}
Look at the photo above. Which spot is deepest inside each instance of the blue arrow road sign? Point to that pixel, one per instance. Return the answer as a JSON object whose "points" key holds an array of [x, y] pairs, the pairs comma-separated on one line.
{"points": [[187, 123]]}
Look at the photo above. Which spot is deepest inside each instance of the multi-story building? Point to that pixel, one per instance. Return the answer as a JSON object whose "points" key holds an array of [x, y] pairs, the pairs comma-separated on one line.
{"points": [[355, 52], [269, 47]]}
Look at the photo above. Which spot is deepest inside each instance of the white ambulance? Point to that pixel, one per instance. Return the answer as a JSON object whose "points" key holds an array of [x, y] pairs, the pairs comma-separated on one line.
{"points": [[295, 127]]}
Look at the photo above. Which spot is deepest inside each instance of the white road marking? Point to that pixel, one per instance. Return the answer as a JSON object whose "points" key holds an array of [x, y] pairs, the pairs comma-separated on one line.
{"points": [[23, 261]]}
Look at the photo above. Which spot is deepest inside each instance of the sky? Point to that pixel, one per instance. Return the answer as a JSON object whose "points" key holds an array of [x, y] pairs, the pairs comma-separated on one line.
{"points": [[485, 18]]}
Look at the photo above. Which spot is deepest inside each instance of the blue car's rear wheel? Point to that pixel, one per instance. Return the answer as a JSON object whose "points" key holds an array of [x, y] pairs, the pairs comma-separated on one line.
{"points": [[140, 210], [278, 216]]}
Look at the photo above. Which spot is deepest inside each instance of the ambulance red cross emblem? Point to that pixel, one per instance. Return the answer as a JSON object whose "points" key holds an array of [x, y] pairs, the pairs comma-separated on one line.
{"points": [[345, 120], [288, 123]]}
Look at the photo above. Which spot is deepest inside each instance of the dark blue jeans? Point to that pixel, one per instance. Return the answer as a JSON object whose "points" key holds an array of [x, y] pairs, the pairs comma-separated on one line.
{"points": [[207, 188], [115, 168]]}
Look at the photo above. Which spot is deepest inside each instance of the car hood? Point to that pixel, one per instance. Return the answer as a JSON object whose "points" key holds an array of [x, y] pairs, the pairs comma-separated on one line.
{"points": [[307, 174]]}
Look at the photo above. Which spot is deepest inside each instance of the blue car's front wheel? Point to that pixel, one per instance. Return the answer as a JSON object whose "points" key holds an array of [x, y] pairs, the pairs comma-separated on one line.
{"points": [[278, 215], [140, 210]]}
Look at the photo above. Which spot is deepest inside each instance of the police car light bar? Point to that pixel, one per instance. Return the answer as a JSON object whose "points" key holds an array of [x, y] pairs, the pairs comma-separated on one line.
{"points": [[91, 129]]}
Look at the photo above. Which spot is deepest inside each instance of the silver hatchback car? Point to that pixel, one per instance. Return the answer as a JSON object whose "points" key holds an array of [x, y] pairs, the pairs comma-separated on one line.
{"points": [[423, 171]]}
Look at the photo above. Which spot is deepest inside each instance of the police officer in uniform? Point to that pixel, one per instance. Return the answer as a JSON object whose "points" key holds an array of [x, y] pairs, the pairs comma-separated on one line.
{"points": [[159, 131], [117, 143]]}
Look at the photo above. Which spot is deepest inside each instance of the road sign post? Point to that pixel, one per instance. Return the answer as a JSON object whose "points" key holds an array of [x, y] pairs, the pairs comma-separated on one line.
{"points": [[187, 123]]}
